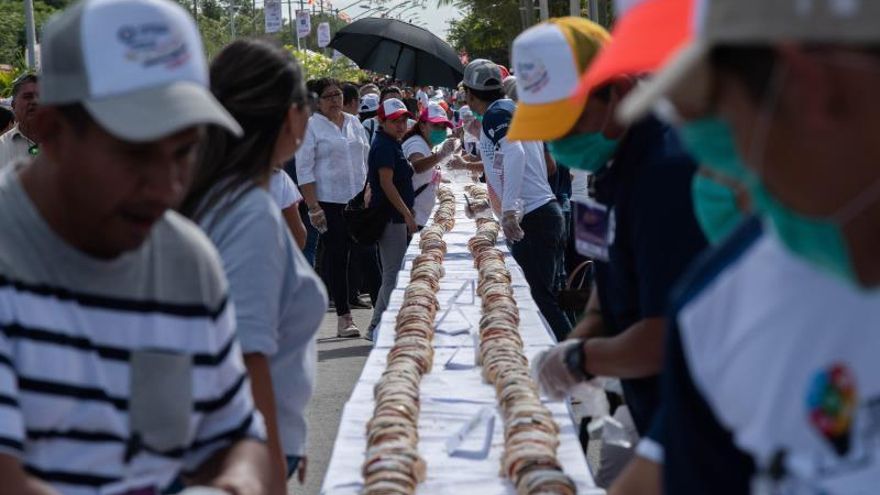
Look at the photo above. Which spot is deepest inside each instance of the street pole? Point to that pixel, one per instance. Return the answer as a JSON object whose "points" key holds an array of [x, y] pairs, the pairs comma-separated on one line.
{"points": [[545, 9], [31, 33], [574, 8], [594, 10]]}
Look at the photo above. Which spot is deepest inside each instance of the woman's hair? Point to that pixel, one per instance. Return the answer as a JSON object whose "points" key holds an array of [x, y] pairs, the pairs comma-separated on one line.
{"points": [[415, 131], [319, 85], [349, 93], [257, 83]]}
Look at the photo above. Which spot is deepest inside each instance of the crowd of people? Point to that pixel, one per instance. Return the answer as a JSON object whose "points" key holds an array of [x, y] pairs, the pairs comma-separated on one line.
{"points": [[175, 230]]}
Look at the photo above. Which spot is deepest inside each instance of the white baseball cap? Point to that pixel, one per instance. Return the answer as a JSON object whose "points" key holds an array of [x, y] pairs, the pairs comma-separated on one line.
{"points": [[434, 114], [369, 103], [391, 109], [137, 66]]}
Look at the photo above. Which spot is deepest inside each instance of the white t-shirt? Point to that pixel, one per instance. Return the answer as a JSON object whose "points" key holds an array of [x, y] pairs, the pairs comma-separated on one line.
{"points": [[333, 158], [279, 303], [782, 354], [283, 190], [424, 202]]}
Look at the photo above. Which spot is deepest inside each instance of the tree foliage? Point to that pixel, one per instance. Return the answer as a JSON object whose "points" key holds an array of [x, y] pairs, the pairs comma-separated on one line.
{"points": [[488, 27], [317, 65]]}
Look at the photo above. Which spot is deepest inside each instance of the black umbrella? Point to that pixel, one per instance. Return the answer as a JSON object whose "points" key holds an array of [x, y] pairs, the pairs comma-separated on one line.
{"points": [[400, 50]]}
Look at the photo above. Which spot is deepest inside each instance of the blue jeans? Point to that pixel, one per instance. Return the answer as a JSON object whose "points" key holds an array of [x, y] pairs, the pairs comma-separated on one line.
{"points": [[312, 234], [539, 254]]}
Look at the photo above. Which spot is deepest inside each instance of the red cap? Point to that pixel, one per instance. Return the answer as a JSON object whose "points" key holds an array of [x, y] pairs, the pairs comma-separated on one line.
{"points": [[434, 114], [644, 37], [392, 109]]}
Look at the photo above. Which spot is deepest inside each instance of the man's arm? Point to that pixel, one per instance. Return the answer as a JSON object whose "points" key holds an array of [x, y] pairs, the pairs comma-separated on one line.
{"points": [[16, 480], [640, 477], [514, 163], [635, 353]]}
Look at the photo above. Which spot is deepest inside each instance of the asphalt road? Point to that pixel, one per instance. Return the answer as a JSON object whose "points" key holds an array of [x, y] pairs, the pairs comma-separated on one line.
{"points": [[339, 365]]}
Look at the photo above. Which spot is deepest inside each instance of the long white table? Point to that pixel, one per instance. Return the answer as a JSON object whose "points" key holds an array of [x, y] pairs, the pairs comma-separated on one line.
{"points": [[451, 396]]}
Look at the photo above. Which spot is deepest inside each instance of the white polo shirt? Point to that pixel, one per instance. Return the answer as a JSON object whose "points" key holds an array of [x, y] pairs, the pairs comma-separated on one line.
{"points": [[13, 146]]}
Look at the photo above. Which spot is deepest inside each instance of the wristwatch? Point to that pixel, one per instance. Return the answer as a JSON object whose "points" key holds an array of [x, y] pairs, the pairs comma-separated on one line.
{"points": [[575, 360]]}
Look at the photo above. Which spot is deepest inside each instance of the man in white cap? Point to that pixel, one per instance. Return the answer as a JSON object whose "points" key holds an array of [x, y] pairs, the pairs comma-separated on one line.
{"points": [[119, 365], [516, 175], [771, 383]]}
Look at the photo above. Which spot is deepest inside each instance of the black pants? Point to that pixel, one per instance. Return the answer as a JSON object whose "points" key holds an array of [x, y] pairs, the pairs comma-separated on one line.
{"points": [[364, 274], [336, 256], [539, 254]]}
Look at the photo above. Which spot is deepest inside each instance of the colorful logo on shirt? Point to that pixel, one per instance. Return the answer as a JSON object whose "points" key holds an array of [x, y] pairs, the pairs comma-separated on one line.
{"points": [[832, 403]]}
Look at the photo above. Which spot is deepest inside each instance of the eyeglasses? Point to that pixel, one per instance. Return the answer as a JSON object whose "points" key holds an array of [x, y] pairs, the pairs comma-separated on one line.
{"points": [[332, 96]]}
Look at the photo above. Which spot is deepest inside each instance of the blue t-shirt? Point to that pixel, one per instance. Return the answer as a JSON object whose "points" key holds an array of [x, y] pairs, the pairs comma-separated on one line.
{"points": [[386, 152], [655, 238]]}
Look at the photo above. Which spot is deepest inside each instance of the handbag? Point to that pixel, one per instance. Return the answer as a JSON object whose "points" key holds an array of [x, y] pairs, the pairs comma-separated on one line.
{"points": [[574, 296], [365, 224]]}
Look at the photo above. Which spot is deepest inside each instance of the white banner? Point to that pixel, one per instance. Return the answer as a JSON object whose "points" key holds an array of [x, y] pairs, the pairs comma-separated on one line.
{"points": [[274, 16], [323, 34], [303, 23]]}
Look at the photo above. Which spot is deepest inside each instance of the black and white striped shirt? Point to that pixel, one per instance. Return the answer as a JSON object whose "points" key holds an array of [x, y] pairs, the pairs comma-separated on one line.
{"points": [[75, 332]]}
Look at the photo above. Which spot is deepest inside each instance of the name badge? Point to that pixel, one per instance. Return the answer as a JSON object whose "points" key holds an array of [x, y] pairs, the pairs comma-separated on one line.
{"points": [[594, 230]]}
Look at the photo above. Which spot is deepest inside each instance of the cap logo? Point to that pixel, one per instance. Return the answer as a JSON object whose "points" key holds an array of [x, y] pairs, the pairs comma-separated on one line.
{"points": [[841, 8], [152, 44], [532, 76]]}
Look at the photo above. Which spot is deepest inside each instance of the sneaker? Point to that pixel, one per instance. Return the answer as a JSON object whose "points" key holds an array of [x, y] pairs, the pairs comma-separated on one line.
{"points": [[346, 329], [358, 303]]}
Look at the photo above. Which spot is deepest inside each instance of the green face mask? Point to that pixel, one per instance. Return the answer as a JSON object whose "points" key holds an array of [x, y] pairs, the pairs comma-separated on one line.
{"points": [[477, 115], [437, 137], [588, 152], [715, 207], [817, 240], [710, 142], [820, 241]]}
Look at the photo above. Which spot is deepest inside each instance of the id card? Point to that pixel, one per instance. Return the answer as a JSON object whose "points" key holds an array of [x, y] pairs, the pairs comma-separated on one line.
{"points": [[594, 229]]}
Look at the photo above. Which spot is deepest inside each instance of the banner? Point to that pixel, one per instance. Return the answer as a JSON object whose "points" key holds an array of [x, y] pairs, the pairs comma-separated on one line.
{"points": [[323, 34], [274, 16], [303, 23]]}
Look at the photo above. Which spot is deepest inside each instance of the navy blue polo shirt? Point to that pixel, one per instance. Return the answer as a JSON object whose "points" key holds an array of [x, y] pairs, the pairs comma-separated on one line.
{"points": [[656, 236], [386, 152]]}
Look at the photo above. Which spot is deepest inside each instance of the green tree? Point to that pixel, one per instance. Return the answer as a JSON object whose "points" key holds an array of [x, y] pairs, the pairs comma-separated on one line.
{"points": [[486, 36], [317, 65], [12, 33]]}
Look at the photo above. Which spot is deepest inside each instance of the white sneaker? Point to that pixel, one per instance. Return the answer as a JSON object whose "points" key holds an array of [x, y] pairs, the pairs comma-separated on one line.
{"points": [[346, 329]]}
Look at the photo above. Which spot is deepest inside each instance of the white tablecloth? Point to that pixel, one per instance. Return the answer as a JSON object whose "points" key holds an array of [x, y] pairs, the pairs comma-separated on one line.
{"points": [[454, 390]]}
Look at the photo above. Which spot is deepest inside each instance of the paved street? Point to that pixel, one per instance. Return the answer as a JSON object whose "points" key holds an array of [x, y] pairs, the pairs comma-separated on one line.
{"points": [[339, 365]]}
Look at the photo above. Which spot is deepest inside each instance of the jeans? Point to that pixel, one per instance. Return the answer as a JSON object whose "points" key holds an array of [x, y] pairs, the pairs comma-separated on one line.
{"points": [[292, 464], [312, 234], [337, 250], [544, 234], [392, 248]]}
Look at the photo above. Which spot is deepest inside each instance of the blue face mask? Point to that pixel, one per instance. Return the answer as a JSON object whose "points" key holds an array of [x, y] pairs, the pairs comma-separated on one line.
{"points": [[588, 152]]}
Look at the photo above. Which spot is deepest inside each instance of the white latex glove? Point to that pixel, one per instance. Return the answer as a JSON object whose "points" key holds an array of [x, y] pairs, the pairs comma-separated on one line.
{"points": [[551, 373], [318, 219], [448, 147], [510, 224]]}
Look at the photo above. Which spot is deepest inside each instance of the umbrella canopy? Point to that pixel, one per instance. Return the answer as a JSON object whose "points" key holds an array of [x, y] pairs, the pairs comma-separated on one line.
{"points": [[400, 50]]}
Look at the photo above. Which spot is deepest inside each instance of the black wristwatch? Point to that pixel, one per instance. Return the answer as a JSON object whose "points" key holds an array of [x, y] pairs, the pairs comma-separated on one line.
{"points": [[575, 360]]}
